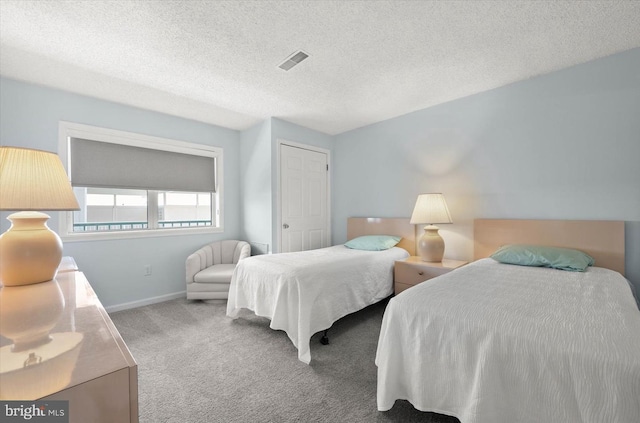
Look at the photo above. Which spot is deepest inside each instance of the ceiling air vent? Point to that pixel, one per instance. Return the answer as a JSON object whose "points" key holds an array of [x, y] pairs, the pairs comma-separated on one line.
{"points": [[293, 60]]}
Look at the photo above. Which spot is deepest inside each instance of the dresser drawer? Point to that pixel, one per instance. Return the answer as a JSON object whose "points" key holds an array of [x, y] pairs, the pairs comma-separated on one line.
{"points": [[410, 274]]}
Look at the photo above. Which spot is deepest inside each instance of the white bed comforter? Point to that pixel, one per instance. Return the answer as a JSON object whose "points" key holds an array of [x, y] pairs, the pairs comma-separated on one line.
{"points": [[491, 342], [305, 292]]}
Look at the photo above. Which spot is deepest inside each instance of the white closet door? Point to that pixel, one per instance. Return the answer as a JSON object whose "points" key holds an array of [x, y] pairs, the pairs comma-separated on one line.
{"points": [[303, 194]]}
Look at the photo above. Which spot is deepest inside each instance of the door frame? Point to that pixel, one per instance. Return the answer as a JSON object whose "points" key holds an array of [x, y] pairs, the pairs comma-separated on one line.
{"points": [[278, 226]]}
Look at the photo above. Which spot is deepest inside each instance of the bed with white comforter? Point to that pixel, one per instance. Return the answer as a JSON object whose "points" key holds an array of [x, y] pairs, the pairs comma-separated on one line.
{"points": [[492, 342], [306, 292]]}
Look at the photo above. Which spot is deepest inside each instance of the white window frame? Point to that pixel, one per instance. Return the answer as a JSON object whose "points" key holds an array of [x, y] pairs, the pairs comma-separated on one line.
{"points": [[68, 130]]}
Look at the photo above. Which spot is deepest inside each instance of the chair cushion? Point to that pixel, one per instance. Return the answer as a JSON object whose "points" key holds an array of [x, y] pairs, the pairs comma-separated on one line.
{"points": [[219, 273]]}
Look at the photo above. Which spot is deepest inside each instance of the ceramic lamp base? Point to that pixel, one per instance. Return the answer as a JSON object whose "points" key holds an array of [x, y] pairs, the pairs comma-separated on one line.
{"points": [[30, 252], [431, 245]]}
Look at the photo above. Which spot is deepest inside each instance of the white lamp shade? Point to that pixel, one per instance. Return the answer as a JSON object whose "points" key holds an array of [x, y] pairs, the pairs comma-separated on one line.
{"points": [[430, 209], [34, 180]]}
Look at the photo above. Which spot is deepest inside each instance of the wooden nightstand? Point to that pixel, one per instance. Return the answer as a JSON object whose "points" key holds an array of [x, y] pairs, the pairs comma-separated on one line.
{"points": [[412, 270]]}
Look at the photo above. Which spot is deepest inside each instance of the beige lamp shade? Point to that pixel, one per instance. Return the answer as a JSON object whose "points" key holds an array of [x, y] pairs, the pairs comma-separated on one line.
{"points": [[31, 180], [34, 180], [431, 208]]}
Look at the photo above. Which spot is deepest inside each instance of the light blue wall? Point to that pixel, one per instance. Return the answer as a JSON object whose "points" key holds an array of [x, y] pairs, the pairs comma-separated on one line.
{"points": [[29, 118], [283, 130], [255, 179], [560, 146], [259, 175]]}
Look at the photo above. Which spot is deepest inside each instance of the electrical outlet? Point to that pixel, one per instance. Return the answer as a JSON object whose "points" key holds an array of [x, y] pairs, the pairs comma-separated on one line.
{"points": [[147, 270]]}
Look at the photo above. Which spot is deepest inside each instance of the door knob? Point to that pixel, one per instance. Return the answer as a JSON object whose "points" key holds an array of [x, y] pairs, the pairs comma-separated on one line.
{"points": [[285, 226]]}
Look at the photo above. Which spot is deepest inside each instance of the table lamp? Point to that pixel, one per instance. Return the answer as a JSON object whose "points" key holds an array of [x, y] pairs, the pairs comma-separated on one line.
{"points": [[31, 180], [431, 209]]}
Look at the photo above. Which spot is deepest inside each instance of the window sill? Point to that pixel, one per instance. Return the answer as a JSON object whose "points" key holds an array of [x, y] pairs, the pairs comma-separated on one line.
{"points": [[153, 233]]}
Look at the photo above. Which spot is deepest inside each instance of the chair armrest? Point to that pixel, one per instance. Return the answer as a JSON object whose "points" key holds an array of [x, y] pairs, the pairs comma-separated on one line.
{"points": [[245, 251], [195, 263]]}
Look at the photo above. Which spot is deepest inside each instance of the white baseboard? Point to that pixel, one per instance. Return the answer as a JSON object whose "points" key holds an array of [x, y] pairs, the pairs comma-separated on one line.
{"points": [[146, 301]]}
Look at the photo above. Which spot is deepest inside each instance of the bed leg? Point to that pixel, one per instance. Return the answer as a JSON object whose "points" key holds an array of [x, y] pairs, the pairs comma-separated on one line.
{"points": [[324, 340]]}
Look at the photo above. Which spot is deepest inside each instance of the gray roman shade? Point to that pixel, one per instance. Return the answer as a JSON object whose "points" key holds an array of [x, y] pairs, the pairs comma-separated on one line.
{"points": [[108, 165]]}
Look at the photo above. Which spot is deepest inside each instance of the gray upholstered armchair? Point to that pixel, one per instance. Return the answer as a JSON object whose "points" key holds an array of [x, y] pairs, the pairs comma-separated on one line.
{"points": [[209, 269]]}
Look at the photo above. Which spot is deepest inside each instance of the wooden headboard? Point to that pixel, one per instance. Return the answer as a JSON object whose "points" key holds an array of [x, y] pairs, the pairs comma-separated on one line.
{"points": [[359, 226], [601, 239]]}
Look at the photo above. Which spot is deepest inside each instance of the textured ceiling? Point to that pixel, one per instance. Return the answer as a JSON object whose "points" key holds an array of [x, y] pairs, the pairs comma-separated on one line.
{"points": [[217, 61]]}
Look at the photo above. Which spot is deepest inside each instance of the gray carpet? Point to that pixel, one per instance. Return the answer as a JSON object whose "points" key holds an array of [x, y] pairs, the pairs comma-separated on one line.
{"points": [[196, 365]]}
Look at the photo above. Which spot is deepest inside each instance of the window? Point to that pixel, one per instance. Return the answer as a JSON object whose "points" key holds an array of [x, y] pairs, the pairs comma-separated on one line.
{"points": [[135, 185], [107, 209]]}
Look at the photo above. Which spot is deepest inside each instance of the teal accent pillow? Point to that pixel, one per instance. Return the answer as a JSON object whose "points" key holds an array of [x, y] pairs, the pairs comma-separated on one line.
{"points": [[541, 256], [373, 242]]}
